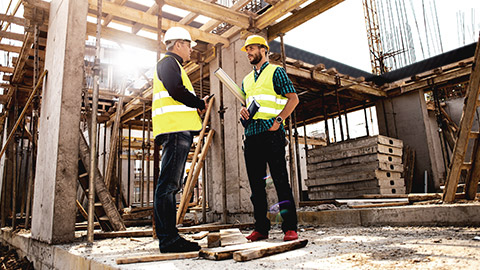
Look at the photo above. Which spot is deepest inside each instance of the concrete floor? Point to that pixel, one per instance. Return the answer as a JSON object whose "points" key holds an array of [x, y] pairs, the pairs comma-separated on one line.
{"points": [[338, 239]]}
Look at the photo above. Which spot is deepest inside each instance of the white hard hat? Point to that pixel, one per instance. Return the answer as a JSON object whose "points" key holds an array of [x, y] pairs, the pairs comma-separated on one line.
{"points": [[178, 33]]}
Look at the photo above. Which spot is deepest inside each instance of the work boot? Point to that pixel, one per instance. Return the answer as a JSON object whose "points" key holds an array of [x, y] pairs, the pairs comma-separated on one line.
{"points": [[290, 235], [181, 245], [256, 236]]}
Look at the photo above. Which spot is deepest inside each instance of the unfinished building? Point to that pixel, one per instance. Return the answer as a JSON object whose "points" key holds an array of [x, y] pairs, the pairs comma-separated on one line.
{"points": [[49, 95]]}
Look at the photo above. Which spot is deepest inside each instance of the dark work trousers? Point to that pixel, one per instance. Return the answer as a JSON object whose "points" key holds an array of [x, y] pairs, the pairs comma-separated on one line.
{"points": [[269, 148], [174, 155]]}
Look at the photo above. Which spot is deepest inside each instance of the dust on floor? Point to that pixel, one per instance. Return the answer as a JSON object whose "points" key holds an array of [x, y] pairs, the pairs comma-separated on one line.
{"points": [[328, 248]]}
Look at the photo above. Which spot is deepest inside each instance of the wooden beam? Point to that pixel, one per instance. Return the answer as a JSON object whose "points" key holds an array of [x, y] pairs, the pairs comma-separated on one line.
{"points": [[191, 16], [210, 25], [151, 20], [325, 78], [259, 252], [276, 12], [152, 10], [24, 54], [156, 258], [109, 17], [10, 48], [13, 19], [123, 37], [6, 69], [12, 35], [213, 11], [301, 16]]}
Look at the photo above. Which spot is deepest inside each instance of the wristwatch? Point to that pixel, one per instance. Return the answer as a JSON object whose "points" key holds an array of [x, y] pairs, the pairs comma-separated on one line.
{"points": [[279, 119]]}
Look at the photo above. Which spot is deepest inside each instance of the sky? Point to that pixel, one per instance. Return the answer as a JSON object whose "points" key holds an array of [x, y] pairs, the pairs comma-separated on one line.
{"points": [[340, 32]]}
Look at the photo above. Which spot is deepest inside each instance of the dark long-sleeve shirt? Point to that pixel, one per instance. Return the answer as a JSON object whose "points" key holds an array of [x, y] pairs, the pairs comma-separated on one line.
{"points": [[170, 74]]}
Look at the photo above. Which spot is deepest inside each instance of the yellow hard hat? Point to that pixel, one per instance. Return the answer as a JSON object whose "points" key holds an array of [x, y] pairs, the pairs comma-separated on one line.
{"points": [[255, 39], [188, 170]]}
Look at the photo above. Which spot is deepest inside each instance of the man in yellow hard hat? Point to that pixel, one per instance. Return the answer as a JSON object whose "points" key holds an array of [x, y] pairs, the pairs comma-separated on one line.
{"points": [[270, 87], [175, 117]]}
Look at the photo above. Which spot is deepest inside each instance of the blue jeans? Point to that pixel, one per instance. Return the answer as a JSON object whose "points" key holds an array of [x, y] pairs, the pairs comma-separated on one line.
{"points": [[174, 156], [269, 148]]}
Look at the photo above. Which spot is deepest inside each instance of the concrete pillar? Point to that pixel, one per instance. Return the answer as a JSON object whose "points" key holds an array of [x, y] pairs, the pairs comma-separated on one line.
{"points": [[54, 210], [405, 117], [236, 65]]}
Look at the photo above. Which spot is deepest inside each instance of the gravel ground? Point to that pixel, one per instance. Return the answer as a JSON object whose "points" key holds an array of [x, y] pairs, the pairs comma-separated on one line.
{"points": [[328, 248]]}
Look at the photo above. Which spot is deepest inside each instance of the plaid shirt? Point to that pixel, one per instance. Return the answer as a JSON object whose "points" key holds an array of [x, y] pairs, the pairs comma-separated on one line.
{"points": [[282, 85]]}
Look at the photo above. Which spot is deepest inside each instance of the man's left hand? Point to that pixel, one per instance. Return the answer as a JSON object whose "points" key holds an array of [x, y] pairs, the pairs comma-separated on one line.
{"points": [[275, 126]]}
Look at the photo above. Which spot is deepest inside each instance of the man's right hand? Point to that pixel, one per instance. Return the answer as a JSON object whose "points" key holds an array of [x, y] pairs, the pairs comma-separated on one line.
{"points": [[244, 113]]}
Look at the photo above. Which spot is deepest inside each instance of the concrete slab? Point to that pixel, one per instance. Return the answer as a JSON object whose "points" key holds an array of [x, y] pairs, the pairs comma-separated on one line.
{"points": [[103, 253]]}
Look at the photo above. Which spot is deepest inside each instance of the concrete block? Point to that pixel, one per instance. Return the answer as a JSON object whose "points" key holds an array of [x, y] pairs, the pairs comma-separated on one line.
{"points": [[330, 218], [41, 252], [65, 260], [423, 215]]}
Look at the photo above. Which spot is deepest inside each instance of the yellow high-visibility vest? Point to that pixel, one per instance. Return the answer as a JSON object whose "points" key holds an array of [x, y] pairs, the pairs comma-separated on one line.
{"points": [[169, 115], [271, 103]]}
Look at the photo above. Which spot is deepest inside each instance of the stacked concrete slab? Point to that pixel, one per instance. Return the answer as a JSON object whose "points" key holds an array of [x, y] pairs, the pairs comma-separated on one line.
{"points": [[369, 165]]}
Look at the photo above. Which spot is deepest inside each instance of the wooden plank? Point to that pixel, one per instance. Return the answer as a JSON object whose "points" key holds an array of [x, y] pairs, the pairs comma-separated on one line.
{"points": [[200, 235], [230, 237], [210, 25], [459, 151], [322, 195], [380, 205], [131, 233], [123, 37], [223, 253], [13, 19], [156, 258], [276, 11], [213, 227], [138, 16], [301, 16], [255, 253], [213, 11]]}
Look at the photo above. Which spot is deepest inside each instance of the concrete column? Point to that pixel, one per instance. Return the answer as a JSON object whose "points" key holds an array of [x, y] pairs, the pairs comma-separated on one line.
{"points": [[405, 117], [53, 219], [236, 65]]}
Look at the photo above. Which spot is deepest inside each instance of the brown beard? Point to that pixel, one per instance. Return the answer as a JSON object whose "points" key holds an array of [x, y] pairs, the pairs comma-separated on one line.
{"points": [[256, 58]]}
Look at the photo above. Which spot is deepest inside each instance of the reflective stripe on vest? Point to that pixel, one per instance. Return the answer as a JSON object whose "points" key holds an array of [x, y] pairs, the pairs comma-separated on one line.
{"points": [[169, 115], [271, 104]]}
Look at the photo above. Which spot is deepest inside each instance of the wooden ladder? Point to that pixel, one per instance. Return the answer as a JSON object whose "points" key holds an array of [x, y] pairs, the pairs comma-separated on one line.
{"points": [[465, 133], [100, 214], [105, 207], [196, 166]]}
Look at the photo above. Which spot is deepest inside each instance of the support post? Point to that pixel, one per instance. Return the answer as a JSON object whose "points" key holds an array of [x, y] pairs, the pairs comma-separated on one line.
{"points": [[54, 207]]}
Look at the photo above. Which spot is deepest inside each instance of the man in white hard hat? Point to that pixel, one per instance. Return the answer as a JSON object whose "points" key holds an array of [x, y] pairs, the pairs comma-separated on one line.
{"points": [[175, 117], [264, 143]]}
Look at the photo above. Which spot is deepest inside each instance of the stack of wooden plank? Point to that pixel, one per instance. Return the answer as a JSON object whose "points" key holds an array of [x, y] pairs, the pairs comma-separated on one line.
{"points": [[369, 165]]}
